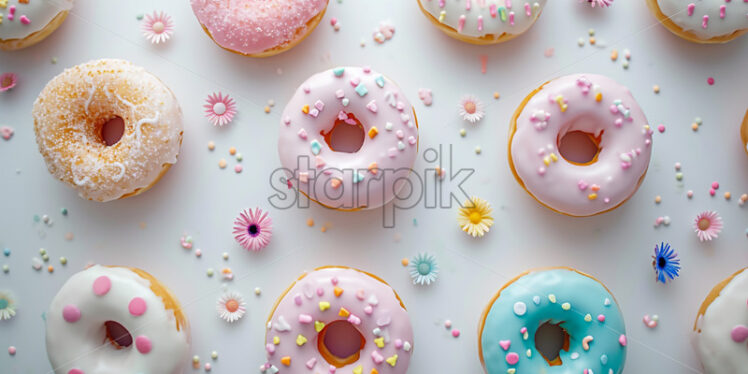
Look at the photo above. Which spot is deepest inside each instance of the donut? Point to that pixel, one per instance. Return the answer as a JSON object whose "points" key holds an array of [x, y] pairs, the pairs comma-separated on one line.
{"points": [[338, 319], [111, 319], [744, 131], [721, 327], [588, 105], [348, 138], [24, 23], [75, 110], [482, 21], [572, 305], [258, 28], [702, 21]]}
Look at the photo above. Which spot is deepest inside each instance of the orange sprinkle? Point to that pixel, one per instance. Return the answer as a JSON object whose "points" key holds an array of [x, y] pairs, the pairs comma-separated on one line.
{"points": [[286, 360], [323, 229], [310, 222], [373, 132], [305, 109], [335, 183], [592, 40], [405, 261], [222, 163], [337, 291], [344, 312], [728, 195], [373, 167], [592, 196], [50, 268], [599, 97], [695, 126], [267, 109], [496, 95], [613, 55], [232, 151]]}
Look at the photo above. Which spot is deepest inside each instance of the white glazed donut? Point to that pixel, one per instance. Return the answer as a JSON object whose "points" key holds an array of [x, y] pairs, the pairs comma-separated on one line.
{"points": [[603, 110], [721, 326], [703, 21], [483, 21], [71, 111], [26, 22], [153, 335], [366, 178]]}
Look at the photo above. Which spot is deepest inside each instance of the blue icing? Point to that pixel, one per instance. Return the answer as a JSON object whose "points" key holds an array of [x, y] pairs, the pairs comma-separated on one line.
{"points": [[575, 296]]}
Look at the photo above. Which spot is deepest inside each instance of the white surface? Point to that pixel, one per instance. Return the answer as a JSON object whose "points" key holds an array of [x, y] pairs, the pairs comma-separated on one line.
{"points": [[197, 198]]}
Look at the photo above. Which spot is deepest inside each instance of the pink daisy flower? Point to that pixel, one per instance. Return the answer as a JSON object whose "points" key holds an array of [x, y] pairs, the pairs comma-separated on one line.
{"points": [[707, 225], [158, 27], [471, 109], [253, 229], [7, 81], [220, 109], [600, 3]]}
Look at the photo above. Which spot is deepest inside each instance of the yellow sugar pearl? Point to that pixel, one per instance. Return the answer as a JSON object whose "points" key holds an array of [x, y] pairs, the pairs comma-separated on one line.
{"points": [[587, 318], [565, 306], [656, 89], [276, 340], [496, 95], [592, 196], [267, 109], [552, 298], [211, 145]]}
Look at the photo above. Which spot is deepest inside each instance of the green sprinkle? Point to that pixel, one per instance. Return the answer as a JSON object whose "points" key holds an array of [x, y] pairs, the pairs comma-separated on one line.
{"points": [[64, 211], [214, 355], [63, 260], [210, 273], [42, 251], [679, 176], [45, 257], [140, 16]]}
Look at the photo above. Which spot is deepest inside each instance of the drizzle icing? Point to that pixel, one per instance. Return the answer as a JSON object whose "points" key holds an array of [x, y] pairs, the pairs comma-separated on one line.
{"points": [[593, 104], [597, 340], [707, 18], [477, 18], [37, 14]]}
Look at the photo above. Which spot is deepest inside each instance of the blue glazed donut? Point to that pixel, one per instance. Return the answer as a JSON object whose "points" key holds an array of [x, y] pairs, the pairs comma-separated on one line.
{"points": [[595, 340]]}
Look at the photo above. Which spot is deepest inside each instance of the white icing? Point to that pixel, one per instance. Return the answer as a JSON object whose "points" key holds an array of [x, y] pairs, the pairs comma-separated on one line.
{"points": [[493, 24], [736, 16], [718, 352], [83, 345], [39, 12]]}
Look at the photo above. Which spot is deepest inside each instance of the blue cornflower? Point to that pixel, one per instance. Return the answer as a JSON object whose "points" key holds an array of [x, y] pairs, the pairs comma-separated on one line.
{"points": [[423, 269], [665, 262]]}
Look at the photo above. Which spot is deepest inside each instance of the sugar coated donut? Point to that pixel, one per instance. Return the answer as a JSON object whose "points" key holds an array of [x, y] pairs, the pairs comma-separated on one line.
{"points": [[572, 304], [337, 319], [721, 326], [258, 28], [591, 105], [24, 23], [380, 131], [72, 112], [482, 21], [116, 320], [744, 131], [703, 21]]}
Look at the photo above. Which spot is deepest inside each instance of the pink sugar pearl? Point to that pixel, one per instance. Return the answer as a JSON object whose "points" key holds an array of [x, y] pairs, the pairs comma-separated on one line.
{"points": [[661, 128], [238, 169], [456, 333], [12, 350], [710, 80]]}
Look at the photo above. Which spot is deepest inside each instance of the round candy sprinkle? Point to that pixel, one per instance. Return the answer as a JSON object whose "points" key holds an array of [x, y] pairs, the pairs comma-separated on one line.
{"points": [[198, 253], [520, 308], [456, 333], [6, 268], [210, 272], [656, 89], [45, 257], [677, 166], [211, 145], [195, 358], [42, 251], [661, 128], [208, 367], [51, 269], [710, 81], [63, 260], [478, 150], [715, 185], [143, 344], [102, 285], [679, 176], [214, 355], [137, 307], [71, 313], [405, 261], [6, 252], [728, 195], [496, 95], [689, 194], [12, 350], [463, 133], [239, 157], [232, 151], [310, 222], [238, 169], [448, 324], [64, 211], [658, 199], [225, 255], [222, 163], [258, 291]]}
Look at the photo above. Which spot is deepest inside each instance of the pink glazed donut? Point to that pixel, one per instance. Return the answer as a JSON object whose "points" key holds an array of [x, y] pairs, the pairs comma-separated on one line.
{"points": [[604, 111], [348, 138], [258, 28], [338, 320]]}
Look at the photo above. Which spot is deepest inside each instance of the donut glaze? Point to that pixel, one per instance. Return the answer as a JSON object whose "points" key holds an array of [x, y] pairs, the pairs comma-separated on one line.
{"points": [[721, 326], [252, 27], [368, 178], [77, 341], [713, 21], [592, 104], [483, 20], [585, 308], [71, 110], [331, 294], [19, 20], [744, 131]]}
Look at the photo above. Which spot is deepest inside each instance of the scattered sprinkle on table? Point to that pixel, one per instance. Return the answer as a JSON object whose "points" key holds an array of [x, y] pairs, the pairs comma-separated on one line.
{"points": [[456, 333], [478, 150], [258, 291], [710, 81], [238, 169], [463, 132], [211, 145], [214, 355], [222, 163], [310, 222], [12, 350], [661, 128], [658, 199], [404, 261], [656, 89]]}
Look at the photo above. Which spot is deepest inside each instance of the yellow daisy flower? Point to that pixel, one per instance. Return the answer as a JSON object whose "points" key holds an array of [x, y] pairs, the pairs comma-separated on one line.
{"points": [[475, 217]]}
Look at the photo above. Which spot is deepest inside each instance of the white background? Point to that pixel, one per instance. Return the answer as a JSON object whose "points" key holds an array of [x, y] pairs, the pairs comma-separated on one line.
{"points": [[198, 198]]}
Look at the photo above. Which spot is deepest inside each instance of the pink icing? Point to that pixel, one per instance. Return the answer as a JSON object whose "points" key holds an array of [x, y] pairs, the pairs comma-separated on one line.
{"points": [[392, 149], [570, 104], [137, 306], [71, 313], [255, 26], [389, 320], [102, 285], [75, 371], [143, 344]]}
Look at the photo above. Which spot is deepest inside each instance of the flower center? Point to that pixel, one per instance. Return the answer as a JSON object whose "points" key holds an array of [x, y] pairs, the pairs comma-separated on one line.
{"points": [[704, 224], [6, 82], [232, 306], [661, 262], [470, 107], [158, 27], [475, 218], [253, 230], [219, 108], [3, 304], [424, 268]]}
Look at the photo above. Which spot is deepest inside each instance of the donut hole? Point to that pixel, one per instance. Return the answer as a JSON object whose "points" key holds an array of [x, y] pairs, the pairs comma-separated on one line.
{"points": [[579, 147], [112, 130], [117, 335], [550, 339], [340, 343], [346, 135]]}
